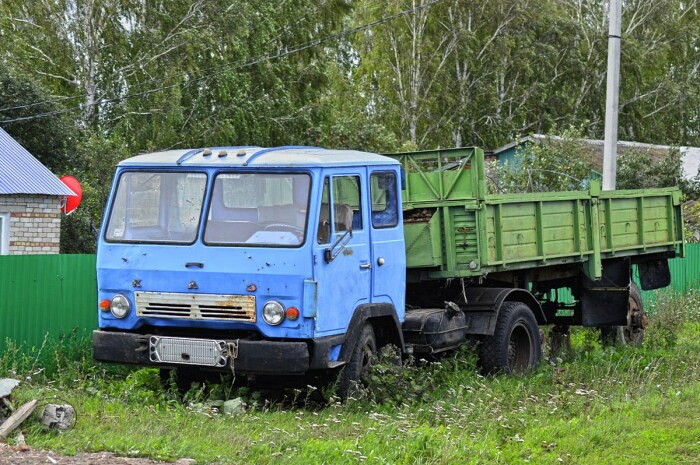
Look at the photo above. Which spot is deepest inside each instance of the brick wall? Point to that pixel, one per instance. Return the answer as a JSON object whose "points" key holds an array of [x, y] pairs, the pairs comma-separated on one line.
{"points": [[35, 223]]}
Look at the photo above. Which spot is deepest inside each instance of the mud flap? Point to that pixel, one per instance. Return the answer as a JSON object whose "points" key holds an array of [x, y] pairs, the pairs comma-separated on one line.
{"points": [[604, 302], [654, 274]]}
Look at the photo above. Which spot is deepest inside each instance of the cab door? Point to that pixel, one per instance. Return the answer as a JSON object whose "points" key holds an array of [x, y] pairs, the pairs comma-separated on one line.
{"points": [[342, 267], [387, 239]]}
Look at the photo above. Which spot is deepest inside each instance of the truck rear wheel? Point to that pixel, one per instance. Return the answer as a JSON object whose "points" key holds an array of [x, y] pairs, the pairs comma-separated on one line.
{"points": [[515, 347], [633, 333], [360, 361]]}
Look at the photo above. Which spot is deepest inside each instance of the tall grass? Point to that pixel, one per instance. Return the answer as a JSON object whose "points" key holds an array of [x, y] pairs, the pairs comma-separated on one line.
{"points": [[601, 405]]}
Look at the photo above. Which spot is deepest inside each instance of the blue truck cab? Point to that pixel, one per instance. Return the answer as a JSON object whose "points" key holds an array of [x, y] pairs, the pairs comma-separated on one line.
{"points": [[258, 260]]}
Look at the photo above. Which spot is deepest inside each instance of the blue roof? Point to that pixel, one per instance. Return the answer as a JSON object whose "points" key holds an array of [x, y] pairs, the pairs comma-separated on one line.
{"points": [[21, 173], [273, 157]]}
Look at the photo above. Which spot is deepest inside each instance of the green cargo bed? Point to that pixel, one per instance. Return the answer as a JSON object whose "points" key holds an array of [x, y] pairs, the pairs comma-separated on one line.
{"points": [[453, 229]]}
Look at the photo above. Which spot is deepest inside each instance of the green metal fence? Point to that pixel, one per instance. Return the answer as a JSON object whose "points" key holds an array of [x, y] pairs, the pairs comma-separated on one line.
{"points": [[44, 295], [685, 273], [55, 295]]}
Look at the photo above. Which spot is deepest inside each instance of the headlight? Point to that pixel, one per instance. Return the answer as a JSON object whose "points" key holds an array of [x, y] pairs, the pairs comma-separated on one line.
{"points": [[273, 313], [120, 306]]}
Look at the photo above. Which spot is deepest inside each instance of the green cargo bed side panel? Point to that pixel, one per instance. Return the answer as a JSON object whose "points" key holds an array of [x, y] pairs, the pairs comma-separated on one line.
{"points": [[423, 243], [455, 230]]}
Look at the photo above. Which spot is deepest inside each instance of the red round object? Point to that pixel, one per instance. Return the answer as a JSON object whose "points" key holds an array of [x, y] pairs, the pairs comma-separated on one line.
{"points": [[292, 313], [72, 201]]}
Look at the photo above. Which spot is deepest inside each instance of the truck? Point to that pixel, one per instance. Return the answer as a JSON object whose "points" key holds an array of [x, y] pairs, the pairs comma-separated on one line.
{"points": [[292, 262]]}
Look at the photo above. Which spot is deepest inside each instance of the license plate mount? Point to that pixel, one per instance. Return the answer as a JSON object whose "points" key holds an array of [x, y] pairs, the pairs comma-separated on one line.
{"points": [[188, 351]]}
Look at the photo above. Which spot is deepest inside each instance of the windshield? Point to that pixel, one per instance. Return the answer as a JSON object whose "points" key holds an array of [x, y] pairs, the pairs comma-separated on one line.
{"points": [[258, 209], [157, 207]]}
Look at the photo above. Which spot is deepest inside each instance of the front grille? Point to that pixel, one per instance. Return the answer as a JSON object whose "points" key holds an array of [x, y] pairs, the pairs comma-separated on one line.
{"points": [[196, 306]]}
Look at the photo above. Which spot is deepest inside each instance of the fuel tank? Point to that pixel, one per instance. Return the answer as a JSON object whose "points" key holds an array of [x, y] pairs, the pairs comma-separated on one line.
{"points": [[433, 330]]}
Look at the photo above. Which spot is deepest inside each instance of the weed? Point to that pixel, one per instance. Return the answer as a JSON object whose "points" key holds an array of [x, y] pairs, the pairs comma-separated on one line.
{"points": [[638, 405], [669, 312]]}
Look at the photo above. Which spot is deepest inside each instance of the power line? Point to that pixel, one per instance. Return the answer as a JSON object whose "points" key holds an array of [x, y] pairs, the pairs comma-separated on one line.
{"points": [[260, 59], [36, 104]]}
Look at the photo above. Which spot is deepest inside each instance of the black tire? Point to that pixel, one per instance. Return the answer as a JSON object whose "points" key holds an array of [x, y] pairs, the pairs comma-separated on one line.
{"points": [[360, 361], [630, 335], [515, 347]]}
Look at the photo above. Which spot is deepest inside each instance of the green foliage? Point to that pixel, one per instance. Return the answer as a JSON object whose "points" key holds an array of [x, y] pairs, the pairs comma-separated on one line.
{"points": [[479, 73], [353, 135], [691, 216], [392, 381], [99, 156], [197, 74], [669, 313], [639, 168], [555, 164], [51, 139], [604, 402], [62, 359]]}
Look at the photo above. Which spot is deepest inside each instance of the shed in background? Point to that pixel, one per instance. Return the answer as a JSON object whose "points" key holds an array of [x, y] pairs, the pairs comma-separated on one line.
{"points": [[593, 152], [31, 197]]}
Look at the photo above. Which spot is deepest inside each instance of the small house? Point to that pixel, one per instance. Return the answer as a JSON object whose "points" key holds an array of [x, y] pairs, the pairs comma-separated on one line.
{"points": [[593, 152], [31, 198]]}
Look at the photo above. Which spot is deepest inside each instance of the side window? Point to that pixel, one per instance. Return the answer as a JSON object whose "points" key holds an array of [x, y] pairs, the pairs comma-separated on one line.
{"points": [[385, 213], [324, 217], [347, 208]]}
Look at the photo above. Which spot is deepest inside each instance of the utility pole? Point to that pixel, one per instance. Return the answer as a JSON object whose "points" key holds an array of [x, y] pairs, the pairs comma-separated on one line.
{"points": [[612, 100]]}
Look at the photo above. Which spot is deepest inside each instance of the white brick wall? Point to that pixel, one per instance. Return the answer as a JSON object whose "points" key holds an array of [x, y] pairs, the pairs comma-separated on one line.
{"points": [[35, 223]]}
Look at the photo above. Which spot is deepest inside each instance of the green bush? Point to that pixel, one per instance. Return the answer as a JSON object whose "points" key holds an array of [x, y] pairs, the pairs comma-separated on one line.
{"points": [[668, 314], [554, 164]]}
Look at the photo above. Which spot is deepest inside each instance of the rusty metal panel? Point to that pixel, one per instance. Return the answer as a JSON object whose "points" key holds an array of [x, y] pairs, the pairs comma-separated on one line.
{"points": [[44, 295], [196, 306]]}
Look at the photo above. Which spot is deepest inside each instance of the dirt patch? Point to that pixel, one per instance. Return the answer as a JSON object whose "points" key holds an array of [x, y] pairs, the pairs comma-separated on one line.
{"points": [[24, 455]]}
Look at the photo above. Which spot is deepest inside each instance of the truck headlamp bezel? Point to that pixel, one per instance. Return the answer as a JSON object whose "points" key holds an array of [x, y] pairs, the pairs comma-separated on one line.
{"points": [[273, 313], [120, 306]]}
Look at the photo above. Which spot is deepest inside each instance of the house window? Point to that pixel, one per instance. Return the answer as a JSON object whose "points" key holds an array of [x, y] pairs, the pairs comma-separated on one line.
{"points": [[4, 233]]}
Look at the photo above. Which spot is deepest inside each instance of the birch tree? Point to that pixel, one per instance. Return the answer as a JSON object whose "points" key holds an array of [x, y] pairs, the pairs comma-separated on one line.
{"points": [[407, 61]]}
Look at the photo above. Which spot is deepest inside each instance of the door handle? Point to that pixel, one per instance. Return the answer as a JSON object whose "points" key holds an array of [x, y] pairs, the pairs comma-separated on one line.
{"points": [[365, 266]]}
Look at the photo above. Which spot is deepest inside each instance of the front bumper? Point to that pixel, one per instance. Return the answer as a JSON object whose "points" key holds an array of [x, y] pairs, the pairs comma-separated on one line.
{"points": [[254, 356]]}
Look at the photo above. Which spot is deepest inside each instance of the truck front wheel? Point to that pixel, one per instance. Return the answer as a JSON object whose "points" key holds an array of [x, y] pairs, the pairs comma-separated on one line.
{"points": [[515, 347], [360, 360]]}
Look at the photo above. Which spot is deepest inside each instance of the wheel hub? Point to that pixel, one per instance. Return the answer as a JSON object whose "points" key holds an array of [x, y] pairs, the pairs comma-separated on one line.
{"points": [[519, 349]]}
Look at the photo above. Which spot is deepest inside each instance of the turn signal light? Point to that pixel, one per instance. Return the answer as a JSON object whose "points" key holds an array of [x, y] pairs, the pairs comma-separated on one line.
{"points": [[292, 313], [105, 304]]}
